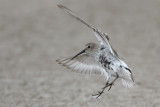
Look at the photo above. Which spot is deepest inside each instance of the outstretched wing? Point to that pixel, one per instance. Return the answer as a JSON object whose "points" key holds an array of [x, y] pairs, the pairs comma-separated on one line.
{"points": [[102, 37], [84, 64]]}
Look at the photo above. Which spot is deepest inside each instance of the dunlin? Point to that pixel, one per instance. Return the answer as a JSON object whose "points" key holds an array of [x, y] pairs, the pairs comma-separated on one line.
{"points": [[98, 59]]}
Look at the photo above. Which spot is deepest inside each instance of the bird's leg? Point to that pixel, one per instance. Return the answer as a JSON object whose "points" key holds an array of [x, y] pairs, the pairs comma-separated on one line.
{"points": [[110, 84], [100, 92], [106, 85]]}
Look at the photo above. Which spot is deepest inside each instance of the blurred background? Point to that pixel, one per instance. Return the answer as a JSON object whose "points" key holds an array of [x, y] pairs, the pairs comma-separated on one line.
{"points": [[34, 33]]}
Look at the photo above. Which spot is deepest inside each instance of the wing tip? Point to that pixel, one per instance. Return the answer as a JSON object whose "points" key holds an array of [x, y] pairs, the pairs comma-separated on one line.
{"points": [[58, 61], [60, 6]]}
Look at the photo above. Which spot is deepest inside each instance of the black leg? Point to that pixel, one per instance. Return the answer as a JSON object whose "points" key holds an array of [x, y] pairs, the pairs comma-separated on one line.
{"points": [[100, 92], [107, 84], [112, 83]]}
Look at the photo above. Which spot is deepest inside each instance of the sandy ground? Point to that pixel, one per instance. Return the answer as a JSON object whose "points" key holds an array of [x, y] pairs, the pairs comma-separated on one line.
{"points": [[34, 33]]}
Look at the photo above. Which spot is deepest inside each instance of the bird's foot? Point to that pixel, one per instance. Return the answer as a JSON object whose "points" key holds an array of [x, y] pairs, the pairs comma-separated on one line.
{"points": [[110, 86], [107, 84], [99, 94]]}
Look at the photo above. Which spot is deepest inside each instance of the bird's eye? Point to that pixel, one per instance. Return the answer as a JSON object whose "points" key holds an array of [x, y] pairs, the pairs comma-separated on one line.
{"points": [[89, 46]]}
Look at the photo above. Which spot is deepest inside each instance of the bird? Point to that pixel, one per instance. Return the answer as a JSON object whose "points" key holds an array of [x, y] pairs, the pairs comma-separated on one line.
{"points": [[100, 59]]}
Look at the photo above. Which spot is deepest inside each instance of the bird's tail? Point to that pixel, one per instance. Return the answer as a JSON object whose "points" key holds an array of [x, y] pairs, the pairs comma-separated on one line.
{"points": [[127, 83], [127, 79]]}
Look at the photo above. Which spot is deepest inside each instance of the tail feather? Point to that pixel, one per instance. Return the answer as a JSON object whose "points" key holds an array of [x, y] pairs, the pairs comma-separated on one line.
{"points": [[127, 83]]}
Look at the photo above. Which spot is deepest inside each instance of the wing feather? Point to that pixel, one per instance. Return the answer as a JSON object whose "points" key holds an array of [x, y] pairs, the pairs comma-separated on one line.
{"points": [[84, 64], [102, 37]]}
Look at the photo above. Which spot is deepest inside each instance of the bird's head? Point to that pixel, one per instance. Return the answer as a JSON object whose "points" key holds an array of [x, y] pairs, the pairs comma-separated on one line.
{"points": [[90, 48]]}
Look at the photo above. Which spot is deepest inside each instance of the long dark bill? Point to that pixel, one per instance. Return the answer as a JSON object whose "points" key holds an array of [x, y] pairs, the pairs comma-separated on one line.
{"points": [[79, 54]]}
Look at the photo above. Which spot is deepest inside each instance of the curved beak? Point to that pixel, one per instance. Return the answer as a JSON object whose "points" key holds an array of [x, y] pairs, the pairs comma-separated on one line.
{"points": [[79, 54]]}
